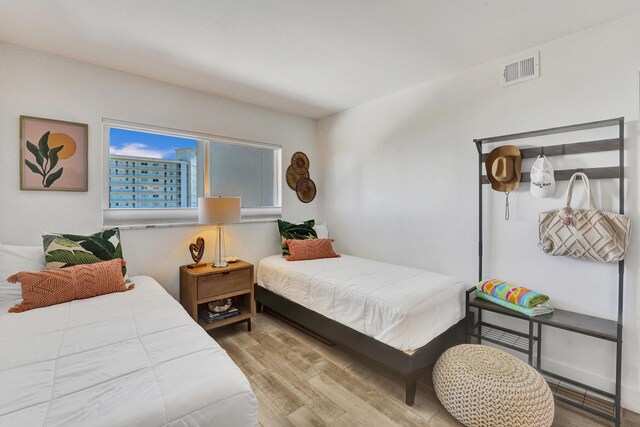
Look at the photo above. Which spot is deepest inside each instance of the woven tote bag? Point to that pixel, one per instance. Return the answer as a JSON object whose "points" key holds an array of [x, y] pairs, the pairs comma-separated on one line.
{"points": [[590, 234]]}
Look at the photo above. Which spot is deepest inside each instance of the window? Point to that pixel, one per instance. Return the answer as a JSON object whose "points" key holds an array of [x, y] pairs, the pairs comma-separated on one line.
{"points": [[177, 167], [245, 171], [143, 150]]}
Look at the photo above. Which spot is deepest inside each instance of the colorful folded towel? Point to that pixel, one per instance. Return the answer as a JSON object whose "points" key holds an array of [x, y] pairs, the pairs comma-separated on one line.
{"points": [[539, 309], [514, 294]]}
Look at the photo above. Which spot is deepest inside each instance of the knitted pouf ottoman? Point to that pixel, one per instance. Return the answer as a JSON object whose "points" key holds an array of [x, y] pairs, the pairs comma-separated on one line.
{"points": [[484, 386]]}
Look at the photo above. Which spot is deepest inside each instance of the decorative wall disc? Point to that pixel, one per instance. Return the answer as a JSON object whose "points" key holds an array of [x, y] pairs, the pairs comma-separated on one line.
{"points": [[300, 162], [306, 190], [293, 177]]}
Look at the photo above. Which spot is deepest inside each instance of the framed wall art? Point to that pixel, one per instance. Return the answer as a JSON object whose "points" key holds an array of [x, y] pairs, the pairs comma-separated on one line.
{"points": [[53, 155]]}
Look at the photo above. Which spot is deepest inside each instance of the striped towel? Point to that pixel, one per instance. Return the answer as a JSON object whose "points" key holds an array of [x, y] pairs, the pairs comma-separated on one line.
{"points": [[539, 309], [514, 294]]}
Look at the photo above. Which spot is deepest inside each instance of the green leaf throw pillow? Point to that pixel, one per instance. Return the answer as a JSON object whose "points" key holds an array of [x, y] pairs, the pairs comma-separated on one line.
{"points": [[67, 250], [295, 232]]}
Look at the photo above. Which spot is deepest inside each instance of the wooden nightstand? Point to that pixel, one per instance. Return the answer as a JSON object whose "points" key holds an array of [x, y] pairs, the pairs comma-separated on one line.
{"points": [[204, 284]]}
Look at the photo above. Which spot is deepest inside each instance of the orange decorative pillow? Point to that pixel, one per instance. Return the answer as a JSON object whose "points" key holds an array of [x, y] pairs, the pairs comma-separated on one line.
{"points": [[310, 249], [50, 287]]}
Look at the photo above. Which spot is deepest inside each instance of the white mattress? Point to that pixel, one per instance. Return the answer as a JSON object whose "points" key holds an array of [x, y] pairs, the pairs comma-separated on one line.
{"points": [[125, 359], [399, 306]]}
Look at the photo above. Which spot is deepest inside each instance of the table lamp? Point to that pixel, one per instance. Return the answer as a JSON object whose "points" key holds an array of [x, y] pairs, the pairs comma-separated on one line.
{"points": [[219, 211]]}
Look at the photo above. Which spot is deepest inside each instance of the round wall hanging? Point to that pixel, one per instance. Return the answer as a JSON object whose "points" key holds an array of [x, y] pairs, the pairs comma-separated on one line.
{"points": [[293, 177], [300, 162], [306, 190]]}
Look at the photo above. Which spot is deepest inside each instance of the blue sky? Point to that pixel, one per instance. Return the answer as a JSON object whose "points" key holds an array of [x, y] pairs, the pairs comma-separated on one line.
{"points": [[142, 144]]}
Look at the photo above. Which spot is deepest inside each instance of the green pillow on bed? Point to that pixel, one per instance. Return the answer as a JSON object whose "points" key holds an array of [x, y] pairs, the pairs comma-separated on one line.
{"points": [[67, 250], [295, 232]]}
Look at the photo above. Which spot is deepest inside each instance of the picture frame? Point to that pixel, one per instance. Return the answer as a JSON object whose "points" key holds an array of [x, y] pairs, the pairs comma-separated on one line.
{"points": [[53, 155]]}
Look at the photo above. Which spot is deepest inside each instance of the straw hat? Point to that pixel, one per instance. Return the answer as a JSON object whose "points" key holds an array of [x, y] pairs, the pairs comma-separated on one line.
{"points": [[503, 168]]}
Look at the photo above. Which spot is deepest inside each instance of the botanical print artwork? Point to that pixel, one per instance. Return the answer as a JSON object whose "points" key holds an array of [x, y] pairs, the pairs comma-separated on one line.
{"points": [[47, 158], [53, 155]]}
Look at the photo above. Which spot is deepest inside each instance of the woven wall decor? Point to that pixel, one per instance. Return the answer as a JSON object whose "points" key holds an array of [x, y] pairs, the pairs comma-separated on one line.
{"points": [[483, 386], [293, 177], [306, 190], [298, 178], [300, 162]]}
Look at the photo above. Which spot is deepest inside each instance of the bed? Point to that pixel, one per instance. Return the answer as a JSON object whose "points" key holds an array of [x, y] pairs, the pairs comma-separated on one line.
{"points": [[124, 359], [401, 317]]}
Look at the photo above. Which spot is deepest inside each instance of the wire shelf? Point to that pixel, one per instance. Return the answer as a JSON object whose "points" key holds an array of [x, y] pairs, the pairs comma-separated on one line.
{"points": [[582, 398], [506, 338]]}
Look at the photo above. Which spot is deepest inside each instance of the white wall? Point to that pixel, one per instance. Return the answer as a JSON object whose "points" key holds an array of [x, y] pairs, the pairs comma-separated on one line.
{"points": [[400, 184], [396, 177], [43, 85]]}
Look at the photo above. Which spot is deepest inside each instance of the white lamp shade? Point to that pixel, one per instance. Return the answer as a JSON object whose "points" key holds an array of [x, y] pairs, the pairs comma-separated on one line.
{"points": [[218, 210]]}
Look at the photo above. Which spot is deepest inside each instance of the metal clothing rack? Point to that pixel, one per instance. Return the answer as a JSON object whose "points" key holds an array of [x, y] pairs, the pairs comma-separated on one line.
{"points": [[598, 402]]}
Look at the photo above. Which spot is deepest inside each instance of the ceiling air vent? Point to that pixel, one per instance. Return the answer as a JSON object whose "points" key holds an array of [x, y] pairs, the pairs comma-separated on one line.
{"points": [[524, 69]]}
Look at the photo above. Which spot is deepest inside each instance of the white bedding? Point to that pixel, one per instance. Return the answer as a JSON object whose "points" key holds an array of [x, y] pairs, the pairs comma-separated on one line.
{"points": [[125, 359], [399, 306]]}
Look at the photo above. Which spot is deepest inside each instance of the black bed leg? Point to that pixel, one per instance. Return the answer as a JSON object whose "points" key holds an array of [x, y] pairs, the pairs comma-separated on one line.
{"points": [[411, 382], [259, 307]]}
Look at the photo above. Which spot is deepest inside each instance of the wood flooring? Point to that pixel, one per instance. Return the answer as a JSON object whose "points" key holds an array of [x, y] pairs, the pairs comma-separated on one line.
{"points": [[300, 381]]}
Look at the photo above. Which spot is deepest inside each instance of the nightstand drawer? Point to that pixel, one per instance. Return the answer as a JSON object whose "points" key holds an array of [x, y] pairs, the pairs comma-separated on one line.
{"points": [[223, 283]]}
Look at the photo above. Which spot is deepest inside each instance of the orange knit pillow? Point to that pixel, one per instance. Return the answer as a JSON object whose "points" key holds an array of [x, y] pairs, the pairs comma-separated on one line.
{"points": [[310, 249], [49, 287]]}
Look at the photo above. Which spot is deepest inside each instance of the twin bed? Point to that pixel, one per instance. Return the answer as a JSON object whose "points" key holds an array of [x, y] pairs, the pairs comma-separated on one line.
{"points": [[401, 317], [125, 359]]}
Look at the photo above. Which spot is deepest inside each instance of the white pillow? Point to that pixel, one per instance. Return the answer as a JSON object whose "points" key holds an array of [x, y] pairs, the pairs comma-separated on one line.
{"points": [[322, 231], [18, 258]]}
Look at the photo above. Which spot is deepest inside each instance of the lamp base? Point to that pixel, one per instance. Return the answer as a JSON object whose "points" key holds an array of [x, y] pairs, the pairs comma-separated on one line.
{"points": [[219, 253], [220, 264]]}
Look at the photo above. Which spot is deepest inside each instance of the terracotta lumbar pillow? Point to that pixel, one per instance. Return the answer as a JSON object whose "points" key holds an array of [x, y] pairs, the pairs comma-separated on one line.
{"points": [[310, 249], [50, 287]]}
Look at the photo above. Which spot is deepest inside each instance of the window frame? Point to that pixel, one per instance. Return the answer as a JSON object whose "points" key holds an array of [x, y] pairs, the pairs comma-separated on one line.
{"points": [[159, 217]]}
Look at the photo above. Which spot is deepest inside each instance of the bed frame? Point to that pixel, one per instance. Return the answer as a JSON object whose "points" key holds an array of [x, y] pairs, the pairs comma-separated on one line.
{"points": [[410, 366]]}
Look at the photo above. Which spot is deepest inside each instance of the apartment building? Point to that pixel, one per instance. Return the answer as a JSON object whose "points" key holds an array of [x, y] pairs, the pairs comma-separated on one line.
{"points": [[143, 182]]}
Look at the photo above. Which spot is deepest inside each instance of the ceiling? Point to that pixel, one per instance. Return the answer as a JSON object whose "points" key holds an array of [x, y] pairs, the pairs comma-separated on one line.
{"points": [[310, 58]]}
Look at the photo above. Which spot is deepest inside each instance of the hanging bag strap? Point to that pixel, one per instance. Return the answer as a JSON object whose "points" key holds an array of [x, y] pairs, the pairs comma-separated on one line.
{"points": [[585, 179]]}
